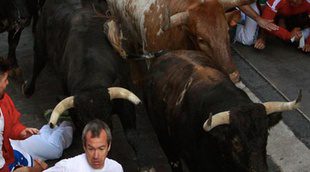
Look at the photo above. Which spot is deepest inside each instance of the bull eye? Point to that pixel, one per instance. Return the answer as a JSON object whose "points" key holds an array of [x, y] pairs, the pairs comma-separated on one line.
{"points": [[237, 144], [200, 39]]}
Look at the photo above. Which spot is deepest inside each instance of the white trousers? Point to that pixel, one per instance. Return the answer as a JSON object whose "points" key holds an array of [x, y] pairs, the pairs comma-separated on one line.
{"points": [[247, 33], [50, 143]]}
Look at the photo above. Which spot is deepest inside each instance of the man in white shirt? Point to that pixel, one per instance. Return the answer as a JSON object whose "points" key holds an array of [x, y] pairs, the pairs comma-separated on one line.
{"points": [[96, 140]]}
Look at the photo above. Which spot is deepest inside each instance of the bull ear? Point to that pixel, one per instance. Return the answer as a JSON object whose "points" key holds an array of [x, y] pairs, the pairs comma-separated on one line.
{"points": [[227, 4], [216, 120], [177, 19], [272, 107], [62, 106], [122, 93]]}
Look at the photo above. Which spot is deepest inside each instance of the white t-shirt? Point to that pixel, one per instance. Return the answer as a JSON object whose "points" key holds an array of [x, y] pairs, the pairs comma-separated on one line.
{"points": [[79, 164], [2, 160]]}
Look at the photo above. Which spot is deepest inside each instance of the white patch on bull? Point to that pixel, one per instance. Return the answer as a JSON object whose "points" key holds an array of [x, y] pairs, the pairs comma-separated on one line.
{"points": [[158, 7], [186, 86], [160, 31], [133, 15]]}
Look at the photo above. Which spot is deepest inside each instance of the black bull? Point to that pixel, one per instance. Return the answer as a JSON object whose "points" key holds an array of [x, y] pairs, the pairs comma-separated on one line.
{"points": [[70, 36], [183, 89], [15, 15]]}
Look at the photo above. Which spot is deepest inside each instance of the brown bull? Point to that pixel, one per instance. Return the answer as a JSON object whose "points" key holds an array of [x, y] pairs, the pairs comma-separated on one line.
{"points": [[154, 25]]}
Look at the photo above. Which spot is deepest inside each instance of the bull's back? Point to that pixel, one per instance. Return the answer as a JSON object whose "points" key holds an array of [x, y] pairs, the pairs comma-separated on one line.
{"points": [[54, 26], [77, 45], [180, 70], [89, 60], [182, 80], [141, 23]]}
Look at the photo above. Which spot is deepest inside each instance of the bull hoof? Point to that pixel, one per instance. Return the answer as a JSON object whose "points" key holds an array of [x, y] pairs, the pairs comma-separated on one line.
{"points": [[235, 77], [26, 90]]}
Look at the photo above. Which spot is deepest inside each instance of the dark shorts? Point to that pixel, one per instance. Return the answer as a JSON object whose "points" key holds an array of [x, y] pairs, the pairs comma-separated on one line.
{"points": [[20, 161]]}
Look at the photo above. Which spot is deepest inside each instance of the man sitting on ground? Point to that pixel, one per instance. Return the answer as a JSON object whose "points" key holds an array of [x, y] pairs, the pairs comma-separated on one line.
{"points": [[30, 154]]}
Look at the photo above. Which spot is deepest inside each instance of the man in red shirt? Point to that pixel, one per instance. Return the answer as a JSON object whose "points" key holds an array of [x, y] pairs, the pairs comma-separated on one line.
{"points": [[286, 8], [10, 126]]}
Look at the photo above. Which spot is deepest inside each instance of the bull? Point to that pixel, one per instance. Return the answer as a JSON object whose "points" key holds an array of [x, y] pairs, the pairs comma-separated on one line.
{"points": [[70, 36], [201, 118], [152, 26], [15, 15]]}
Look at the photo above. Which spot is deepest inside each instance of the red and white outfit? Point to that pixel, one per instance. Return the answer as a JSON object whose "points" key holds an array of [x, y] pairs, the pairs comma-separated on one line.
{"points": [[283, 8], [12, 129]]}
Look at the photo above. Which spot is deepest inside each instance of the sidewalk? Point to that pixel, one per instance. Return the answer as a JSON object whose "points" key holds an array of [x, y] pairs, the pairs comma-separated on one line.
{"points": [[285, 66], [281, 72]]}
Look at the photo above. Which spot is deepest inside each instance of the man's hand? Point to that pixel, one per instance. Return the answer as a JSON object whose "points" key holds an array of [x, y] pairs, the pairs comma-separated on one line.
{"points": [[38, 166], [260, 43], [266, 24], [27, 132], [296, 34]]}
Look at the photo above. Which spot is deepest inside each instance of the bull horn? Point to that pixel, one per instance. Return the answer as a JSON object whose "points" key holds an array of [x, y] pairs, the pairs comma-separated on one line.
{"points": [[227, 4], [176, 20], [272, 107], [62, 106], [122, 93], [215, 120]]}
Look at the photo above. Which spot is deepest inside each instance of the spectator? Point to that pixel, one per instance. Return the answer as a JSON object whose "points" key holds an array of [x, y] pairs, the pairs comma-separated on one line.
{"points": [[10, 126], [96, 140], [291, 11], [247, 31]]}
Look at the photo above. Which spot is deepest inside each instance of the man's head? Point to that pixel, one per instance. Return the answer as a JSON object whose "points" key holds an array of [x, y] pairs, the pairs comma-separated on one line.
{"points": [[4, 70], [96, 140]]}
